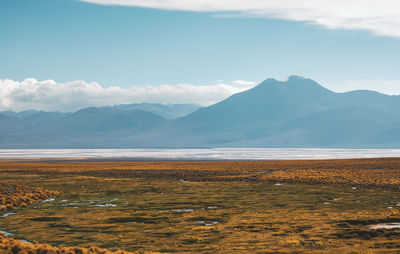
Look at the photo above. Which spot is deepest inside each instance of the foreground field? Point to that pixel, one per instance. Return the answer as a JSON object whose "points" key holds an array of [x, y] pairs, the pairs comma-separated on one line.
{"points": [[16, 196], [9, 245], [226, 207]]}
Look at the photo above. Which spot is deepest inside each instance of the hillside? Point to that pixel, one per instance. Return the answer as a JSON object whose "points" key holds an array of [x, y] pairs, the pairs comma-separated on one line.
{"points": [[297, 112]]}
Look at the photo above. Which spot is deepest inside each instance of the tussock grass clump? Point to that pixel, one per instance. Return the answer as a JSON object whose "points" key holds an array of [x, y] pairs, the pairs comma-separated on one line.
{"points": [[14, 196], [9, 245]]}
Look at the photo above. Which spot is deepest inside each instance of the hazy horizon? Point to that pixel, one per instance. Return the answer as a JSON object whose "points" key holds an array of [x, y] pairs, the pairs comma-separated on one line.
{"points": [[82, 92]]}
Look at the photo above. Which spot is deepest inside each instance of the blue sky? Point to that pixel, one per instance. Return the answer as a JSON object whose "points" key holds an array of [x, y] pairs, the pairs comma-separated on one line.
{"points": [[125, 46]]}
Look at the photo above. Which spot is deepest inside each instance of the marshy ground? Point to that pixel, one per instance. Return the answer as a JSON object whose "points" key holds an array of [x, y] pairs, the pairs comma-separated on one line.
{"points": [[226, 207]]}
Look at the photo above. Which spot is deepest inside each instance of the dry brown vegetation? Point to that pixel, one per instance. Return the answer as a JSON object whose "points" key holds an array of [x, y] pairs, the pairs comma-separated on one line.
{"points": [[381, 172], [213, 207], [14, 196], [9, 245]]}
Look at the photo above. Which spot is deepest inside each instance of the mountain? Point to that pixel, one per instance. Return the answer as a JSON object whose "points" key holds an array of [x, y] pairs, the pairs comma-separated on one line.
{"points": [[297, 112], [35, 117], [294, 113], [10, 125], [107, 119], [265, 104], [87, 128], [167, 111]]}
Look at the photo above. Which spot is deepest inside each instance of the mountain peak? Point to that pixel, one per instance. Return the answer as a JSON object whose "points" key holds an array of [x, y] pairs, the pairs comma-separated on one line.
{"points": [[290, 79], [296, 77], [293, 83], [269, 80]]}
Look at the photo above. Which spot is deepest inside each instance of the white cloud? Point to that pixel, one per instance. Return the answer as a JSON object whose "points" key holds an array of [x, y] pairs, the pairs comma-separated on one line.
{"points": [[378, 16], [244, 82], [70, 96]]}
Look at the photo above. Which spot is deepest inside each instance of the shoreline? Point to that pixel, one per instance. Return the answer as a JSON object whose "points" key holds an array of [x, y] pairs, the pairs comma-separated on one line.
{"points": [[189, 160], [212, 154]]}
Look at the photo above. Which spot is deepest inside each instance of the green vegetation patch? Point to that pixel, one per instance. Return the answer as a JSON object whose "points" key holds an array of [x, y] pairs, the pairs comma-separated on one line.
{"points": [[137, 219], [46, 218]]}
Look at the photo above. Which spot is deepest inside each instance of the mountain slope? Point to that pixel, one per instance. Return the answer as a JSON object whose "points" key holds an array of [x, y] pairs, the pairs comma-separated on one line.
{"points": [[10, 125], [87, 128], [101, 120], [294, 113], [167, 111], [264, 104], [35, 117]]}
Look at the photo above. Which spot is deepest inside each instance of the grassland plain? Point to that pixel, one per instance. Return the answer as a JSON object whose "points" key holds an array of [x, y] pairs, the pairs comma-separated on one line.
{"points": [[212, 207], [13, 196]]}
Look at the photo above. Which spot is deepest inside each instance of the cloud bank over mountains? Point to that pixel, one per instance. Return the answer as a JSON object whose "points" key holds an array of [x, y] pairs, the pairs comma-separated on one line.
{"points": [[49, 95], [380, 17]]}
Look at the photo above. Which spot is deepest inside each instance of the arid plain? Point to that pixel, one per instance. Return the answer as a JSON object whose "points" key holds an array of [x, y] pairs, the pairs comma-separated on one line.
{"points": [[321, 206]]}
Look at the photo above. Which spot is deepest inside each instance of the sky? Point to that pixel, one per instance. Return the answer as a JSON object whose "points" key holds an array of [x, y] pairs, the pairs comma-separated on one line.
{"points": [[65, 54]]}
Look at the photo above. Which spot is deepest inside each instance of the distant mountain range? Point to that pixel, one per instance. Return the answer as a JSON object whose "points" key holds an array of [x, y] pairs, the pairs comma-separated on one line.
{"points": [[293, 113], [167, 111]]}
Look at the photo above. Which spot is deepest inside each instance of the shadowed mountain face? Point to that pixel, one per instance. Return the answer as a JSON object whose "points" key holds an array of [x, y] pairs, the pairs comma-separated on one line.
{"points": [[167, 111], [294, 113], [102, 120], [35, 117], [266, 104], [89, 127], [9, 125]]}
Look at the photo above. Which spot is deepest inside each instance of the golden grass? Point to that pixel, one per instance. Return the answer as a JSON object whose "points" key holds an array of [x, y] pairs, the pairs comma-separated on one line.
{"points": [[381, 172], [14, 196], [9, 245], [212, 207]]}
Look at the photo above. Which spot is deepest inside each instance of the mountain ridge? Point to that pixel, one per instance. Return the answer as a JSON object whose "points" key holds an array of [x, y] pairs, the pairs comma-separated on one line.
{"points": [[297, 112]]}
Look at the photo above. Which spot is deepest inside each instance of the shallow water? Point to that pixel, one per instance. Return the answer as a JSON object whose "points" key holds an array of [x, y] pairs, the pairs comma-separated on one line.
{"points": [[48, 200], [6, 233], [385, 226], [211, 223], [106, 205], [184, 210], [6, 214], [203, 154]]}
